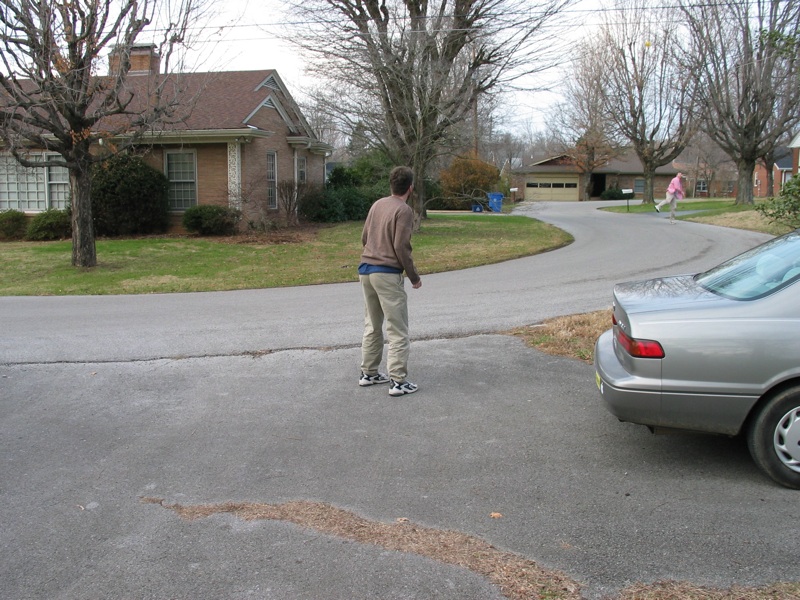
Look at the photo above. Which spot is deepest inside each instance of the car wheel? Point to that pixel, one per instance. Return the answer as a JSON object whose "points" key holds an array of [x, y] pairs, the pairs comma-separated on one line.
{"points": [[774, 438]]}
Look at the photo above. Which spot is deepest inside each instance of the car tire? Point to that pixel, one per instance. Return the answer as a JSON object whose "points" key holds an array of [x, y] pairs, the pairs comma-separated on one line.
{"points": [[773, 438]]}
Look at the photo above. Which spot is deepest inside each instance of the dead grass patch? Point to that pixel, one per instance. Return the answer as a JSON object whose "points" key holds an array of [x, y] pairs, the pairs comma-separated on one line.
{"points": [[749, 220], [572, 336], [300, 234], [517, 577], [672, 590]]}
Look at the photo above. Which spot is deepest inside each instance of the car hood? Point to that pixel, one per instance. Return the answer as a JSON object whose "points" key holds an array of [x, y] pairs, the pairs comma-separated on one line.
{"points": [[664, 293]]}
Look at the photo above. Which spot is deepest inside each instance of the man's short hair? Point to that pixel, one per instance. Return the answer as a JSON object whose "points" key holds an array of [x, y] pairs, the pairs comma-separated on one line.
{"points": [[400, 179]]}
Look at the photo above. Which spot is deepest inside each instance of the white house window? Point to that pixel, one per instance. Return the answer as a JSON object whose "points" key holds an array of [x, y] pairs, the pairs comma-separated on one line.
{"points": [[701, 187], [32, 189], [272, 180], [638, 186], [301, 169], [181, 170]]}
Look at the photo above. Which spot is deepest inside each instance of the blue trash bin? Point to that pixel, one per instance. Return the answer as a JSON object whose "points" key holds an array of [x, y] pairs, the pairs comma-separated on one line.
{"points": [[477, 208], [495, 201]]}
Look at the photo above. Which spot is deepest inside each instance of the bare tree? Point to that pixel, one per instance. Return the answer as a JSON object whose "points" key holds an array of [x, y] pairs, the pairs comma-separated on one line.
{"points": [[745, 58], [406, 72], [323, 125], [51, 97], [290, 194], [542, 144], [581, 122], [646, 94], [505, 150], [705, 161]]}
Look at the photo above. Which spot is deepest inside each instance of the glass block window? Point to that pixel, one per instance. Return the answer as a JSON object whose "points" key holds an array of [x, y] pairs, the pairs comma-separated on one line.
{"points": [[58, 192], [272, 180], [32, 189], [181, 170]]}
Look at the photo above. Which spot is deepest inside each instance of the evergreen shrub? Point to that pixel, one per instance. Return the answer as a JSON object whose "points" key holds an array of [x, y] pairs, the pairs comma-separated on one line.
{"points": [[211, 220], [320, 205], [13, 224], [785, 208], [615, 193], [354, 202], [50, 225], [129, 197]]}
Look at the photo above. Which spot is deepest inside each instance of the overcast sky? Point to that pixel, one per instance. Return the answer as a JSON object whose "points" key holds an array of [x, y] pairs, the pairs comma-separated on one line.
{"points": [[245, 37]]}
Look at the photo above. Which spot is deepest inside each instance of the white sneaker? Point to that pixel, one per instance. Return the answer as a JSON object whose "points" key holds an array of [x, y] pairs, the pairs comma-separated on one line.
{"points": [[400, 389], [373, 379], [656, 207]]}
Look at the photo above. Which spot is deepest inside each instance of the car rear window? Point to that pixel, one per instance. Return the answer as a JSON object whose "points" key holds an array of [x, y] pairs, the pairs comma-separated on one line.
{"points": [[758, 272]]}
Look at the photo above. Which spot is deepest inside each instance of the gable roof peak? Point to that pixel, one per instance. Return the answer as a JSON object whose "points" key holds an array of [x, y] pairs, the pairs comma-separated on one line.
{"points": [[272, 83]]}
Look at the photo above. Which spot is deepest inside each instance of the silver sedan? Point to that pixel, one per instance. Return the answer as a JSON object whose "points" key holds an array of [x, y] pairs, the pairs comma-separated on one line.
{"points": [[717, 352]]}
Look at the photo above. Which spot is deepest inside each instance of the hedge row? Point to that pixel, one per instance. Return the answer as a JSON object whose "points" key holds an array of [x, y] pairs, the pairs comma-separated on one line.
{"points": [[47, 225]]}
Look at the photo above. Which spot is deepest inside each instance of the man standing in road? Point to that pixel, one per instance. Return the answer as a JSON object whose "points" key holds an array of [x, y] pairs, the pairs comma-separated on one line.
{"points": [[674, 193], [386, 240]]}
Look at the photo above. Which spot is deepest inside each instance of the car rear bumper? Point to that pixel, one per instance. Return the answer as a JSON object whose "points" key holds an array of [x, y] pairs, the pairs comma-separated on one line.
{"points": [[627, 396], [641, 400]]}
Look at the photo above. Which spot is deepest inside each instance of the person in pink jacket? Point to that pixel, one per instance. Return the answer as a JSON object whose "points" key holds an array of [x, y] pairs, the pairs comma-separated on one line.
{"points": [[674, 193]]}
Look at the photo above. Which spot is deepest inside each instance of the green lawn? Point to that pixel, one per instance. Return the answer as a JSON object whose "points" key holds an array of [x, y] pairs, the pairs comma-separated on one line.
{"points": [[329, 255], [711, 204], [713, 211]]}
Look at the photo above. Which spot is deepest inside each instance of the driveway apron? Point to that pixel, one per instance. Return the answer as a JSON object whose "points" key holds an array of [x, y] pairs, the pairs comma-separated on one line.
{"points": [[116, 409]]}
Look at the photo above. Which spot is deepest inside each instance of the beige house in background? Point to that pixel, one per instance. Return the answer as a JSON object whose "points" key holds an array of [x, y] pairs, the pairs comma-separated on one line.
{"points": [[244, 135], [558, 179]]}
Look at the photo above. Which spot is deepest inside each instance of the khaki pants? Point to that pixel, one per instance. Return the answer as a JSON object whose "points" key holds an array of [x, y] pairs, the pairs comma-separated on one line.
{"points": [[385, 299], [673, 204]]}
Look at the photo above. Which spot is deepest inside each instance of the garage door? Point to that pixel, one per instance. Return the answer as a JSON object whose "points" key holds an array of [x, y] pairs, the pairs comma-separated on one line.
{"points": [[552, 188]]}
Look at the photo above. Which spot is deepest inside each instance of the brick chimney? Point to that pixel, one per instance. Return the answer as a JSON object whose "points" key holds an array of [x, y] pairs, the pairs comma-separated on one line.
{"points": [[144, 60]]}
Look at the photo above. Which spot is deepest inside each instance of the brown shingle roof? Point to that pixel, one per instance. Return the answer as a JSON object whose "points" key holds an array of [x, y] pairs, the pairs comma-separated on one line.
{"points": [[219, 100], [628, 164]]}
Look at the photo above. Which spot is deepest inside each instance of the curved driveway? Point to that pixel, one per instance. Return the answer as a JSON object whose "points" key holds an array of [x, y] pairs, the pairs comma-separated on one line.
{"points": [[252, 396], [607, 248]]}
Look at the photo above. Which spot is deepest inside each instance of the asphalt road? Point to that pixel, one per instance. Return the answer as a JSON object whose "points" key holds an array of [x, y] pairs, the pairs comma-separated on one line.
{"points": [[252, 396]]}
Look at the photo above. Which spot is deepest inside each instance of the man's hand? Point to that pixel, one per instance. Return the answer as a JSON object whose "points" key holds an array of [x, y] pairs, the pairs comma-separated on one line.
{"points": [[417, 285]]}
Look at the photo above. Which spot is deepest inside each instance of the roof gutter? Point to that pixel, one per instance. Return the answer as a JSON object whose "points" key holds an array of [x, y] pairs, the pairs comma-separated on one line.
{"points": [[210, 136]]}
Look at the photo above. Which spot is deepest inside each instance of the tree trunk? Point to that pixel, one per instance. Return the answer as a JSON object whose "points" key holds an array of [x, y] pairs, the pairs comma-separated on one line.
{"points": [[84, 253], [418, 199], [770, 169], [744, 192], [586, 195], [648, 194]]}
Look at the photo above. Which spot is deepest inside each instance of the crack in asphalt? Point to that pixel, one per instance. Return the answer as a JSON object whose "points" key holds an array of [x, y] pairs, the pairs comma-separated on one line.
{"points": [[245, 353]]}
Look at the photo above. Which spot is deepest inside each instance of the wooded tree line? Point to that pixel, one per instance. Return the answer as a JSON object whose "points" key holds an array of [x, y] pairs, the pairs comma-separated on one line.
{"points": [[651, 78]]}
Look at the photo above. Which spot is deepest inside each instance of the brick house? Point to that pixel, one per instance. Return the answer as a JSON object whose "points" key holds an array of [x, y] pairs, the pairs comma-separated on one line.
{"points": [[244, 135], [781, 173], [794, 146]]}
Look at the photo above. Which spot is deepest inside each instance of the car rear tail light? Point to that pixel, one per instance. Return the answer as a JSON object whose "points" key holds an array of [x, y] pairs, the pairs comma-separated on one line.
{"points": [[639, 348]]}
